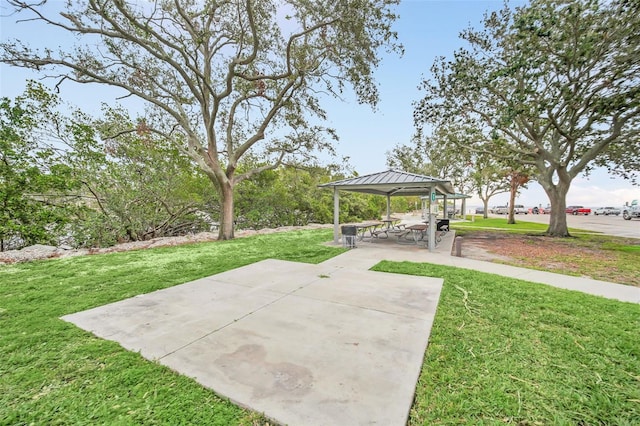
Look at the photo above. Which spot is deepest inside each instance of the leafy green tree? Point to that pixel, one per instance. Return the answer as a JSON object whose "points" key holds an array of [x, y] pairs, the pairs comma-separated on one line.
{"points": [[34, 181], [554, 85], [438, 155], [63, 176], [444, 153], [488, 179], [138, 184], [232, 78], [290, 196], [449, 153]]}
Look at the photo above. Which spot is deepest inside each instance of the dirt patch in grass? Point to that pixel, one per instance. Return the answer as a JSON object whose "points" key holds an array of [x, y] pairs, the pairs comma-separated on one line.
{"points": [[590, 257]]}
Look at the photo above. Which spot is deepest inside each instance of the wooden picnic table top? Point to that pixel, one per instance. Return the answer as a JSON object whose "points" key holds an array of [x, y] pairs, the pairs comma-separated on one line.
{"points": [[417, 227], [367, 224], [363, 224]]}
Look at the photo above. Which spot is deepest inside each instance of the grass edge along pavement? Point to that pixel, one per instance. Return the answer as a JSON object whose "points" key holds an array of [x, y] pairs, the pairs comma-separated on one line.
{"points": [[54, 373], [500, 223]]}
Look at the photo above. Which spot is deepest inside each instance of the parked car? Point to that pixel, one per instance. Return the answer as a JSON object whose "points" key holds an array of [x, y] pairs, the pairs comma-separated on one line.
{"points": [[519, 209], [545, 210], [631, 210], [501, 210], [575, 210], [607, 211], [479, 210], [535, 210]]}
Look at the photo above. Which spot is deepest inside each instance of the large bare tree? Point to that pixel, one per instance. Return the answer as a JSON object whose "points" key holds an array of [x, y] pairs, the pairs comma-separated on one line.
{"points": [[225, 78], [554, 85]]}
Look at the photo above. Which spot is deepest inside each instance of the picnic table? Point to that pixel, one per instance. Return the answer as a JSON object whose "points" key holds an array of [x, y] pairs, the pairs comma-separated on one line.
{"points": [[392, 224], [367, 227], [386, 226], [418, 232]]}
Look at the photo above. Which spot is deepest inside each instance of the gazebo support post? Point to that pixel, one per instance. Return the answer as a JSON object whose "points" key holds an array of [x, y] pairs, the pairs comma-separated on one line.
{"points": [[445, 214], [388, 206], [432, 225], [336, 215]]}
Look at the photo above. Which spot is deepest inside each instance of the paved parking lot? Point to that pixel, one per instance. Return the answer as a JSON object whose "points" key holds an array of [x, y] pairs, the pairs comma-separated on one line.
{"points": [[610, 225]]}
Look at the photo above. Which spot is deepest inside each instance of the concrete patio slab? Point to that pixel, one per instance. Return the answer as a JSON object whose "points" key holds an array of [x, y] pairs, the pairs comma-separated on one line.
{"points": [[276, 275], [304, 344], [147, 323]]}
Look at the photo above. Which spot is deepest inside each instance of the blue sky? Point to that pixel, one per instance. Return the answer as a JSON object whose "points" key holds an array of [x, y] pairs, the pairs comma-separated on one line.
{"points": [[427, 29]]}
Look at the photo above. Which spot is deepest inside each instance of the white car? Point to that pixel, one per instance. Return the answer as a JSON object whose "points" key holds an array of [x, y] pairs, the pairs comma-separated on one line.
{"points": [[519, 209], [607, 211]]}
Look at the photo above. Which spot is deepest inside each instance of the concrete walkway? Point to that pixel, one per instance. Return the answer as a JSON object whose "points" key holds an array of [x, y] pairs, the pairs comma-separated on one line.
{"points": [[304, 344], [370, 253]]}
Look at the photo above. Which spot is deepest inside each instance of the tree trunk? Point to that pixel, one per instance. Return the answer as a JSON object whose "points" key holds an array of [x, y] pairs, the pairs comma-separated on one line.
{"points": [[558, 220], [225, 231], [512, 202], [485, 215], [557, 194]]}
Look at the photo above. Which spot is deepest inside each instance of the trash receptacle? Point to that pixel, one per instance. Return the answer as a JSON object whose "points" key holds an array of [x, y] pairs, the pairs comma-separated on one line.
{"points": [[442, 225], [349, 233]]}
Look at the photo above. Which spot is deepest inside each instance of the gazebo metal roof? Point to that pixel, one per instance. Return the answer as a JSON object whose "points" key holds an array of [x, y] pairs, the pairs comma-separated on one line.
{"points": [[392, 183]]}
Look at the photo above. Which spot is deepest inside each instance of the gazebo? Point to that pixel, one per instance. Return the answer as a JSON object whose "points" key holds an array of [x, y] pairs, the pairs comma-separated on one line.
{"points": [[390, 183]]}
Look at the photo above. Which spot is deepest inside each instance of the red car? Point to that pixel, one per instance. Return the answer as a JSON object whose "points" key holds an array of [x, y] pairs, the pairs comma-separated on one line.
{"points": [[574, 210]]}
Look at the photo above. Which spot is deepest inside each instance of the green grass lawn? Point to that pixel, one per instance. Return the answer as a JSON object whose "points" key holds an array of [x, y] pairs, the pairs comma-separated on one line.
{"points": [[500, 223], [501, 350], [53, 373], [508, 351]]}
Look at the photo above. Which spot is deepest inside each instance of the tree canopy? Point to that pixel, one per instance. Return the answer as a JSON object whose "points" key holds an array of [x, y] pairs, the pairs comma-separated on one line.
{"points": [[554, 85], [34, 178], [223, 79], [75, 180], [445, 153]]}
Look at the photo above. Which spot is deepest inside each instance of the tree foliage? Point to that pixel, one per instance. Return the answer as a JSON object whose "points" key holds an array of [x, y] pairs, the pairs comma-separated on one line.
{"points": [[138, 185], [445, 153], [438, 155], [554, 85], [224, 79], [290, 196], [62, 179], [35, 182], [488, 178]]}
